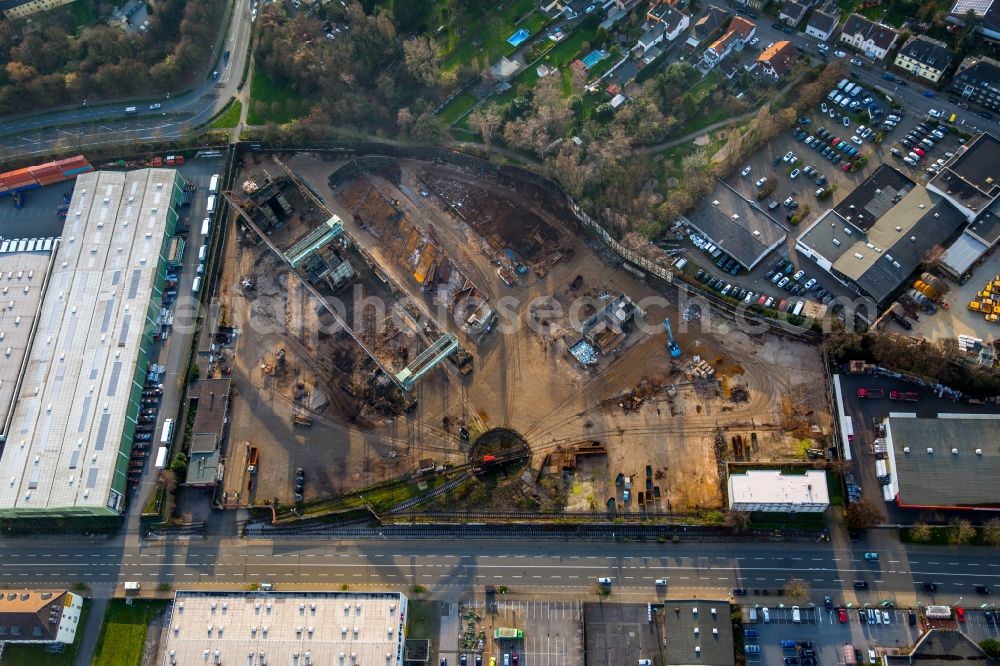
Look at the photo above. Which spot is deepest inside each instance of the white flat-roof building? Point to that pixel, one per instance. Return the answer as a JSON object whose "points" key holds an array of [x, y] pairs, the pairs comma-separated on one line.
{"points": [[770, 490], [300, 628], [69, 425]]}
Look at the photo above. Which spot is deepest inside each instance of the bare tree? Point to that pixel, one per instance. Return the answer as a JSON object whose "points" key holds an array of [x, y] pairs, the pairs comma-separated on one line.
{"points": [[421, 60], [991, 531], [863, 514], [960, 531], [738, 520], [921, 532], [487, 120], [796, 588]]}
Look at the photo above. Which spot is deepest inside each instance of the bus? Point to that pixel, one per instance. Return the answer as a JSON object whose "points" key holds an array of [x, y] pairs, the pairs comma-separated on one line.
{"points": [[211, 205], [213, 185], [205, 227]]}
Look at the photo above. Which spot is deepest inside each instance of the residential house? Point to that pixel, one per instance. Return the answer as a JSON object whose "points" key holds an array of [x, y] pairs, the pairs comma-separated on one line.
{"points": [[792, 13], [753, 5], [924, 57], [739, 33], [778, 59], [39, 616], [15, 9], [707, 26], [667, 25], [873, 39], [978, 80], [987, 15], [821, 25]]}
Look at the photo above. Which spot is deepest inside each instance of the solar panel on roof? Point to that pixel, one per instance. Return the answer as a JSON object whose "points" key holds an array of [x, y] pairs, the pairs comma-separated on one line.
{"points": [[116, 370], [74, 459], [124, 334], [92, 477], [102, 432], [84, 413], [108, 310], [116, 277], [133, 287]]}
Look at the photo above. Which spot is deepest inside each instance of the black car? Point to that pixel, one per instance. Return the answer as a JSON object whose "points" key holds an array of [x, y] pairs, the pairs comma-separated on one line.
{"points": [[911, 618], [860, 585], [983, 589], [828, 601], [986, 114], [806, 645], [929, 587], [776, 161], [300, 485], [739, 591], [699, 274]]}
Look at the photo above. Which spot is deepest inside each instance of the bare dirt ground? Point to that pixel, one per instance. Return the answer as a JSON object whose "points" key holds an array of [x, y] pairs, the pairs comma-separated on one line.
{"points": [[523, 379]]}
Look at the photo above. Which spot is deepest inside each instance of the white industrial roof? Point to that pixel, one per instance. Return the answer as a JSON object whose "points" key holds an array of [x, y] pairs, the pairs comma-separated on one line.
{"points": [[300, 628], [770, 486], [64, 436], [22, 275]]}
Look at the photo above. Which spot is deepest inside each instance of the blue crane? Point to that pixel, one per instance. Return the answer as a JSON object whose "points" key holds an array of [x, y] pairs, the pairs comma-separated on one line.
{"points": [[675, 349]]}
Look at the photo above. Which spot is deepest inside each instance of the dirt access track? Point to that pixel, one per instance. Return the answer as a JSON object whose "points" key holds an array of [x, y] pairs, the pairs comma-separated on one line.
{"points": [[524, 378]]}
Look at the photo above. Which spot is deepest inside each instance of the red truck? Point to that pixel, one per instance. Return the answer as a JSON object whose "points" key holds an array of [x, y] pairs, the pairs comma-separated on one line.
{"points": [[908, 396], [870, 393]]}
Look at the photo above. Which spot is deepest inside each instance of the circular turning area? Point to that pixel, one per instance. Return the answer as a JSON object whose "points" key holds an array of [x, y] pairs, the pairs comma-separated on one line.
{"points": [[499, 445]]}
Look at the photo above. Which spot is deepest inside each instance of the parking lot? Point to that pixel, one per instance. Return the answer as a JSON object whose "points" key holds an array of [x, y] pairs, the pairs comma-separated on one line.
{"points": [[827, 635], [553, 632]]}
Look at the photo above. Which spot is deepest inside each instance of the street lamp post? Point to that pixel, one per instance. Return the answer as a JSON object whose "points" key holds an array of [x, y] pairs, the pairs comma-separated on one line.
{"points": [[92, 114]]}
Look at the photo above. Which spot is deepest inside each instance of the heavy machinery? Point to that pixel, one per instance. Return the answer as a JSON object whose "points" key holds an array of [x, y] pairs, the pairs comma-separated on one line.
{"points": [[675, 349]]}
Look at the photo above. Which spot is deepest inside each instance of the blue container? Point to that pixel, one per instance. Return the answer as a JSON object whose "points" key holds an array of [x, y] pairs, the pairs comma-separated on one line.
{"points": [[77, 171], [29, 186]]}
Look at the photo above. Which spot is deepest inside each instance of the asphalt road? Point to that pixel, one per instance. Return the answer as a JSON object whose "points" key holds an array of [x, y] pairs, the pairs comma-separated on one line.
{"points": [[448, 568], [96, 125]]}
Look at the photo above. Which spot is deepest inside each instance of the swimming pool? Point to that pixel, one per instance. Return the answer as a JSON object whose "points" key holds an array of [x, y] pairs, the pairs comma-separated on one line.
{"points": [[593, 58], [518, 37]]}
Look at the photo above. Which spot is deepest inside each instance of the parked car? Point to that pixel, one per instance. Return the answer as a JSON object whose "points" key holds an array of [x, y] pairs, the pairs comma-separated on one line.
{"points": [[794, 174], [761, 181], [746, 171]]}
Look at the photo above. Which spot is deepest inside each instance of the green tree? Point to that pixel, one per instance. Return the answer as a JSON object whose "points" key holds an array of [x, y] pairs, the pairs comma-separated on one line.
{"points": [[179, 464], [991, 646]]}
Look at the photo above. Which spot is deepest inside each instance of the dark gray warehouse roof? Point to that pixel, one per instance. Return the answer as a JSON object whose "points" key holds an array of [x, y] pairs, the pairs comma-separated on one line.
{"points": [[682, 616], [738, 226], [941, 478]]}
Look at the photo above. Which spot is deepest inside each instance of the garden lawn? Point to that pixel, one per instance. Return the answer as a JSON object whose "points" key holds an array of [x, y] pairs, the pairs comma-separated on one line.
{"points": [[229, 118], [273, 96], [457, 108], [493, 30], [123, 633]]}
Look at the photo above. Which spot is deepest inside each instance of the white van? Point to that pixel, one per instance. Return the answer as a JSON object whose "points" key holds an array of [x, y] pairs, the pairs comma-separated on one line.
{"points": [[798, 308], [213, 185], [131, 109], [168, 431], [753, 615], [796, 615], [205, 224], [196, 285], [211, 205], [202, 251]]}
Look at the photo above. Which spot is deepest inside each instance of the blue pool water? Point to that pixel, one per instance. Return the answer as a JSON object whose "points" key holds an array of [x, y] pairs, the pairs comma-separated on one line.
{"points": [[518, 37]]}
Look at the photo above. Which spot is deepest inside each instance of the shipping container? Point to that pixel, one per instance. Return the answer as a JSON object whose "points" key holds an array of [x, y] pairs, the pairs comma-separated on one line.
{"points": [[167, 434], [29, 186], [69, 173]]}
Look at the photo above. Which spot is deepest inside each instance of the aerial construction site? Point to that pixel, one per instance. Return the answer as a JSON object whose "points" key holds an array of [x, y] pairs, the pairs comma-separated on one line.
{"points": [[392, 311]]}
